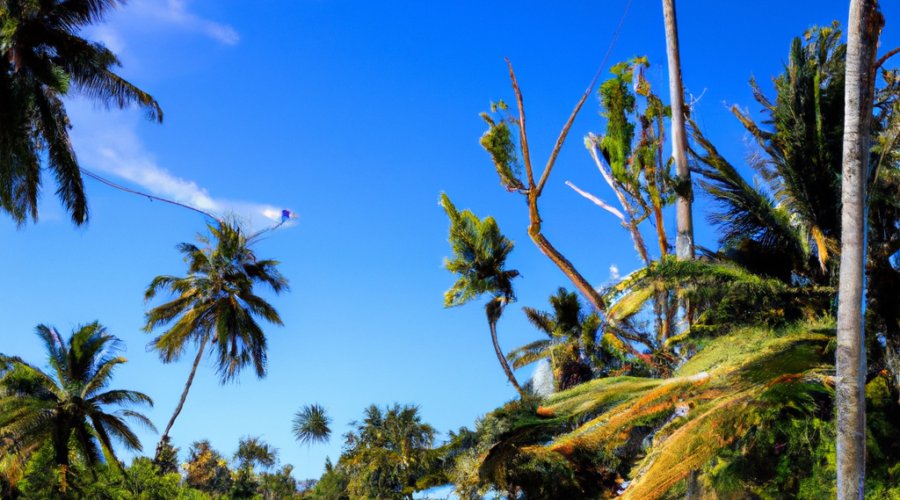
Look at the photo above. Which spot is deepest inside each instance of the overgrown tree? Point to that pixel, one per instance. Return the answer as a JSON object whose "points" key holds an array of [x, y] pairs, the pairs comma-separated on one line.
{"points": [[387, 454], [206, 469]]}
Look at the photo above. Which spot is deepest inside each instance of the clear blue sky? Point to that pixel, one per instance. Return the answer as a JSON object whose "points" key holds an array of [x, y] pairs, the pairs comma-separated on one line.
{"points": [[357, 115]]}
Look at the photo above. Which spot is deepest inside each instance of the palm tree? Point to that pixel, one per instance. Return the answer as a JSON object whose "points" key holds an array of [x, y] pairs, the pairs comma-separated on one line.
{"points": [[788, 225], [850, 398], [311, 425], [571, 345], [684, 240], [68, 407], [479, 259], [215, 305], [48, 61]]}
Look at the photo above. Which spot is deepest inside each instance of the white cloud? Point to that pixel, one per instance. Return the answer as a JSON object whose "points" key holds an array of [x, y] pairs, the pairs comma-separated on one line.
{"points": [[107, 144], [614, 273], [155, 14], [175, 12], [109, 37]]}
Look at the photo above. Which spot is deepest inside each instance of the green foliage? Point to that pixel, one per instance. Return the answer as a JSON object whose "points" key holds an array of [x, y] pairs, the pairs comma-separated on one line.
{"points": [[167, 461], [311, 425], [332, 485], [215, 303], [145, 481], [723, 293], [573, 347], [47, 59], [498, 141], [389, 455], [479, 257], [68, 408], [618, 103], [732, 390], [636, 161], [788, 226]]}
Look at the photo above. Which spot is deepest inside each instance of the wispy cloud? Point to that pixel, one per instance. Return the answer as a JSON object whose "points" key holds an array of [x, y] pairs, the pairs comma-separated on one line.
{"points": [[155, 14], [175, 12], [108, 144]]}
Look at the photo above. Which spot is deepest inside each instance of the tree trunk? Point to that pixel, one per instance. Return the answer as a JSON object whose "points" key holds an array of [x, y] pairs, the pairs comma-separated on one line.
{"points": [[184, 394], [503, 363], [684, 239], [864, 28], [692, 486]]}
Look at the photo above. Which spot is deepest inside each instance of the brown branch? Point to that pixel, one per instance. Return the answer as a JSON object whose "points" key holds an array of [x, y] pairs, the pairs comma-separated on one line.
{"points": [[524, 141], [597, 201], [568, 125], [534, 191], [885, 57]]}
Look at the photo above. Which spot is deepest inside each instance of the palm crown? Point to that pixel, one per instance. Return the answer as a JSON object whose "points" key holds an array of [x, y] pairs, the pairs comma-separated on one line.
{"points": [[479, 257], [215, 302], [48, 60], [571, 345], [68, 406]]}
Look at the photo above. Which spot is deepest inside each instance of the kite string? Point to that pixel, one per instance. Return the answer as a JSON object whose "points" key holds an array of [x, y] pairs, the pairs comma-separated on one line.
{"points": [[148, 196]]}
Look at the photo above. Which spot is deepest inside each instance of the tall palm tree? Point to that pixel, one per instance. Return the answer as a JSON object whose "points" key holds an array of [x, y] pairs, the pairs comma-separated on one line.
{"points": [[479, 259], [215, 305], [571, 345], [684, 240], [48, 60], [850, 397], [68, 407]]}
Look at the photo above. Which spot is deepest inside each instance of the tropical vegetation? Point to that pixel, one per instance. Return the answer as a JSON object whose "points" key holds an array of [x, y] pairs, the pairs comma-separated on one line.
{"points": [[741, 372]]}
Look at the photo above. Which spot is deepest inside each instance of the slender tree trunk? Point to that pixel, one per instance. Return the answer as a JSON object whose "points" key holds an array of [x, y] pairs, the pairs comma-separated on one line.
{"points": [[684, 239], [503, 363], [864, 28], [184, 394], [661, 232]]}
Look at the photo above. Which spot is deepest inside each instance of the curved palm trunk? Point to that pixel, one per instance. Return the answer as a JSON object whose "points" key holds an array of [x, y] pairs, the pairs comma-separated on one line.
{"points": [[684, 239], [503, 363], [184, 394], [864, 28]]}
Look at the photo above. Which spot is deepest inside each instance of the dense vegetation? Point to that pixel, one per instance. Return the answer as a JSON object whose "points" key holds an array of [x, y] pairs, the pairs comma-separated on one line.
{"points": [[709, 377]]}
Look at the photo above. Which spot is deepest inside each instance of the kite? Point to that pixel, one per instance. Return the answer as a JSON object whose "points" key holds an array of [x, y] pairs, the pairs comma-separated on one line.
{"points": [[287, 215]]}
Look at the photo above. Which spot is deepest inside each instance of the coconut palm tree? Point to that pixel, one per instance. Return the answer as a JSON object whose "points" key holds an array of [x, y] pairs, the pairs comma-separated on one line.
{"points": [[215, 306], [48, 60], [69, 406], [850, 393], [479, 259], [572, 347], [311, 425], [684, 241]]}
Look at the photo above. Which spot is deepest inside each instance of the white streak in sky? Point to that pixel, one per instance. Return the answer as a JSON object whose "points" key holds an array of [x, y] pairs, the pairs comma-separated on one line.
{"points": [[107, 143]]}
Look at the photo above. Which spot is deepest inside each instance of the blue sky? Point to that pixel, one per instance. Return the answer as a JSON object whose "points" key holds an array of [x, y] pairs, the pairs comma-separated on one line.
{"points": [[356, 115]]}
